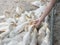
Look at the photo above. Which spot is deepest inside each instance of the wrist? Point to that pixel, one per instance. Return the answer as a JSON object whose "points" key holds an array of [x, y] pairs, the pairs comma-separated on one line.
{"points": [[40, 20]]}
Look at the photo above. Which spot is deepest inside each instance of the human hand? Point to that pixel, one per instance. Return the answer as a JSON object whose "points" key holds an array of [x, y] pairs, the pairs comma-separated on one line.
{"points": [[37, 23]]}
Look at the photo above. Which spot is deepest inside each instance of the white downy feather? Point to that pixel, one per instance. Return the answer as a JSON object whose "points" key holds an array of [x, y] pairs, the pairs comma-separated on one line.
{"points": [[46, 40], [38, 12], [0, 41], [36, 3], [34, 38], [32, 15], [20, 43], [27, 37], [3, 16], [6, 41], [22, 19], [15, 36], [19, 10], [42, 33], [13, 43], [4, 34], [10, 20], [3, 28], [18, 29], [4, 24]]}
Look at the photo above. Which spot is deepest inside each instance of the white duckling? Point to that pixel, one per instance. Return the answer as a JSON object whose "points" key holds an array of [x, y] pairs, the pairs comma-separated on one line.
{"points": [[18, 29], [3, 28], [0, 41], [27, 37], [17, 38], [34, 38], [41, 34], [46, 19], [46, 40], [39, 11], [4, 24], [5, 31], [19, 10], [22, 19], [27, 15], [20, 43], [36, 3], [2, 16], [16, 17], [10, 20], [12, 42], [12, 23], [39, 3], [30, 16], [6, 40]]}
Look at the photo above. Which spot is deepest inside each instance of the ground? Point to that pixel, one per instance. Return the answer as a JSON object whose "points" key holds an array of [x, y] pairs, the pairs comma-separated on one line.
{"points": [[57, 26], [10, 5]]}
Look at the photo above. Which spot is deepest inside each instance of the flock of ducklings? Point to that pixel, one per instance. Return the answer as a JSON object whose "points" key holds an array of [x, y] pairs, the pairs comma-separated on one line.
{"points": [[19, 29]]}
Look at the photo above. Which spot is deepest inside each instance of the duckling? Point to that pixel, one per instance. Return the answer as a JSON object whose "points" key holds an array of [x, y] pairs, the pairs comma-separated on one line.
{"points": [[26, 41], [12, 42], [22, 19], [46, 19], [19, 10], [4, 24], [12, 23], [3, 16], [32, 15], [38, 12], [6, 40], [16, 17], [20, 43], [10, 20], [18, 29], [0, 41], [41, 34], [28, 16], [36, 3], [34, 38], [3, 27], [5, 33], [26, 28], [46, 40], [21, 26]]}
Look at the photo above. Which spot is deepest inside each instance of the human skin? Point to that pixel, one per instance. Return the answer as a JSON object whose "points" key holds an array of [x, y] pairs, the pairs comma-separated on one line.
{"points": [[45, 13]]}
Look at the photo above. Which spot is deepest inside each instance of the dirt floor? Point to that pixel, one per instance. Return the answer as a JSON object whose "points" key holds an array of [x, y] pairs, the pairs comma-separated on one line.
{"points": [[57, 26], [10, 6]]}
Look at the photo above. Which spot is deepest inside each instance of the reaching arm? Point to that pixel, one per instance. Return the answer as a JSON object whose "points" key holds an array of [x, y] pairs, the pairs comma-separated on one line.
{"points": [[47, 9], [45, 13]]}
